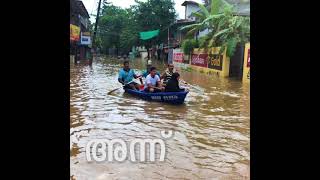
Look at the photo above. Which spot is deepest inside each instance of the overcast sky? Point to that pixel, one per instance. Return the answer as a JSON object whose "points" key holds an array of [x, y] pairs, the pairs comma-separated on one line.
{"points": [[92, 6]]}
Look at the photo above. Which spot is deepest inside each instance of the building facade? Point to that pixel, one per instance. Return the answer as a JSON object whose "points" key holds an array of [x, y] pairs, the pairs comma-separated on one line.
{"points": [[190, 7], [79, 26]]}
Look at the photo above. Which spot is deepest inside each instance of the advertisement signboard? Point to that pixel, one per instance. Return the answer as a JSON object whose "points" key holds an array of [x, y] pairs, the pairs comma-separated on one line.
{"points": [[215, 61], [85, 38], [74, 33], [178, 56], [199, 60]]}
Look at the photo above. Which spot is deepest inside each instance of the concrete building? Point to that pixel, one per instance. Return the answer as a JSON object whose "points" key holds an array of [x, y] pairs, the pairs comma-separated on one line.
{"points": [[176, 36], [79, 18], [190, 7]]}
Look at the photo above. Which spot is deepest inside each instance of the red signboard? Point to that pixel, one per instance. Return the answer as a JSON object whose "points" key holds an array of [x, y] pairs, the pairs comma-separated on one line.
{"points": [[178, 57], [248, 60], [199, 60]]}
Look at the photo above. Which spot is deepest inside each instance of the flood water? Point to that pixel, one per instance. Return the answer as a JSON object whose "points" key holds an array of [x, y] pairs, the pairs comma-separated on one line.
{"points": [[211, 129]]}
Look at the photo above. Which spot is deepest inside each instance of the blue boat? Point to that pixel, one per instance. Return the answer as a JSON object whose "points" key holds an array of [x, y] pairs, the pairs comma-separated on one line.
{"points": [[168, 97]]}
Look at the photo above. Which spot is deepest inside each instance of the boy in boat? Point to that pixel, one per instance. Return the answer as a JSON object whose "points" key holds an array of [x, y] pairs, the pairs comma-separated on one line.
{"points": [[153, 83], [126, 76], [166, 76]]}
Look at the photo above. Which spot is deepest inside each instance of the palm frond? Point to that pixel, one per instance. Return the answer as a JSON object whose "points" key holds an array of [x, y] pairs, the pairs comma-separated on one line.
{"points": [[190, 26], [191, 32], [215, 6], [231, 46], [239, 21], [204, 10], [222, 48], [211, 17], [199, 15], [221, 32], [228, 9], [211, 42]]}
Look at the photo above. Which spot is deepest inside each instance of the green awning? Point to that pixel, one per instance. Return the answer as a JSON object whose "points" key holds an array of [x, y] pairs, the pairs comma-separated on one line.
{"points": [[149, 34]]}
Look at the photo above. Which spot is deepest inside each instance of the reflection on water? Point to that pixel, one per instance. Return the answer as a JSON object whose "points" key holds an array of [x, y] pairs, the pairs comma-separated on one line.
{"points": [[211, 137]]}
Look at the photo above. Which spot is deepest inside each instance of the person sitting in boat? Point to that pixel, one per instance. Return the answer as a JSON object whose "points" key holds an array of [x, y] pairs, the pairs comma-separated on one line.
{"points": [[166, 76], [147, 71], [173, 84], [153, 83], [126, 76]]}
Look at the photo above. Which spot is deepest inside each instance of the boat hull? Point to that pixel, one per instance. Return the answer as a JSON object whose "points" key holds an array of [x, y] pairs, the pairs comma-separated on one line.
{"points": [[167, 97]]}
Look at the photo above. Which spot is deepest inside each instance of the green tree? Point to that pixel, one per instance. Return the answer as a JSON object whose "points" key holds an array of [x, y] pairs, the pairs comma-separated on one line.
{"points": [[155, 14], [111, 23], [129, 35], [120, 28], [188, 45]]}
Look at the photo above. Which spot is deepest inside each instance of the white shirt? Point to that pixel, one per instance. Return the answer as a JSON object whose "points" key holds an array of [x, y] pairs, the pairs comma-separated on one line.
{"points": [[151, 80]]}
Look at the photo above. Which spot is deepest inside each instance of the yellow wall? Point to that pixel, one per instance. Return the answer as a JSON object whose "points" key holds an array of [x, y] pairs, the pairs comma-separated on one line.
{"points": [[246, 70], [225, 64], [209, 71]]}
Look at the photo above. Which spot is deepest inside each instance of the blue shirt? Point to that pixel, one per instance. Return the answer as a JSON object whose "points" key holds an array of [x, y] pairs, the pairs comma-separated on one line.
{"points": [[126, 76]]}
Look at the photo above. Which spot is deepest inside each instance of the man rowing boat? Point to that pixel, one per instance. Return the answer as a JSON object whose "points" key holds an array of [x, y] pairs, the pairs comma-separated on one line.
{"points": [[126, 76]]}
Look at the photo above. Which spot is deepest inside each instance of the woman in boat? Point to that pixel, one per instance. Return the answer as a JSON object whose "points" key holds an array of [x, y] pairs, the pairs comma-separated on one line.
{"points": [[166, 76], [173, 84]]}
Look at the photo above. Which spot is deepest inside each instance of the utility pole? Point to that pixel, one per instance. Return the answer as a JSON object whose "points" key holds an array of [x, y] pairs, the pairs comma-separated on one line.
{"points": [[95, 31], [96, 24], [168, 36]]}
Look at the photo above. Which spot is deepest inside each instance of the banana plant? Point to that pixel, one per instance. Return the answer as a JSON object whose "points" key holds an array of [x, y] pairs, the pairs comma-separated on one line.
{"points": [[225, 29]]}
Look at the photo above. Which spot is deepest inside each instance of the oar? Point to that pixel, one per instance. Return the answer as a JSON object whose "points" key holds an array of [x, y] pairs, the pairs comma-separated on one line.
{"points": [[119, 87], [190, 85], [123, 86]]}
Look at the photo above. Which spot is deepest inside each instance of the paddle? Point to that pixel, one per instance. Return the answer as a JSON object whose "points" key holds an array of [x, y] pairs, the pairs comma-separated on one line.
{"points": [[184, 82], [119, 87], [140, 87]]}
